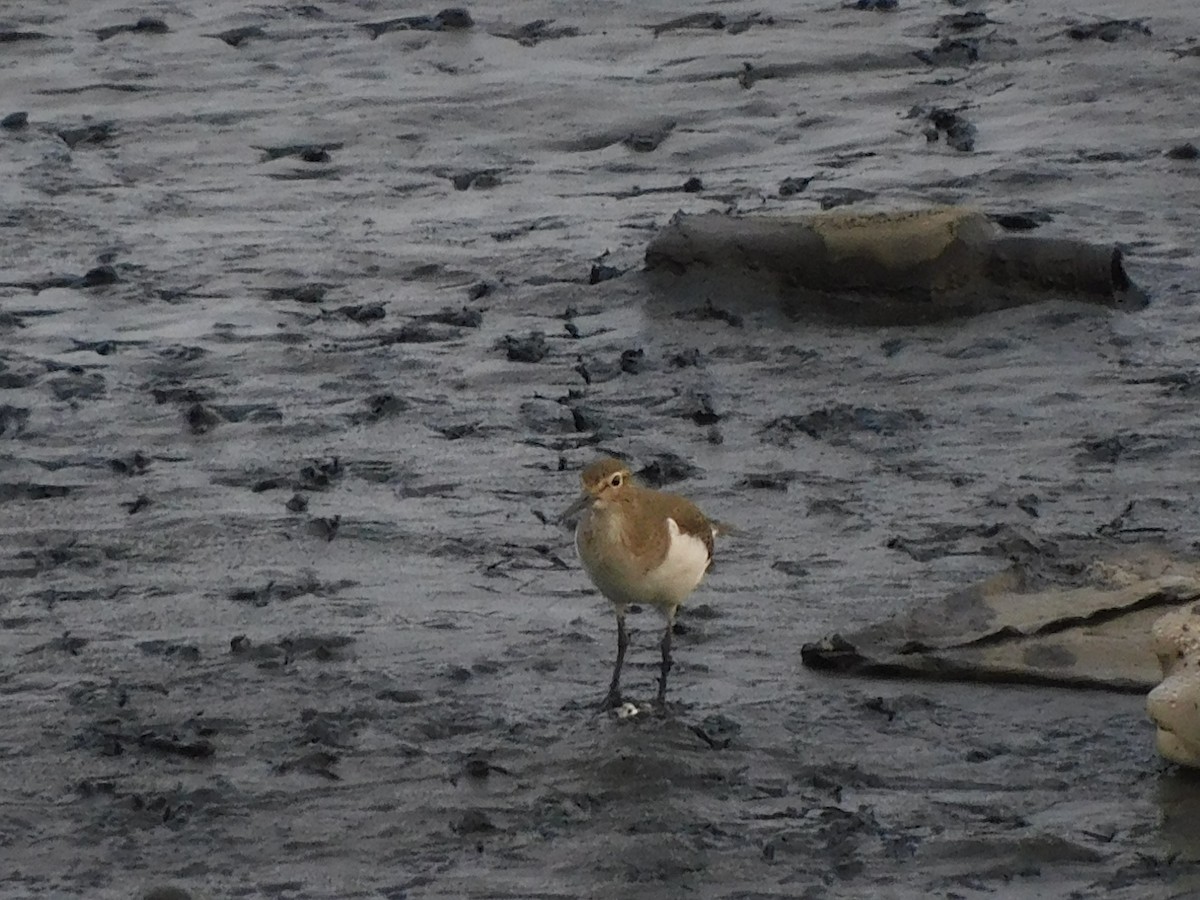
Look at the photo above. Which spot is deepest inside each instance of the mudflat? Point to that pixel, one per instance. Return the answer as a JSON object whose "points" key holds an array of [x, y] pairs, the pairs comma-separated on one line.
{"points": [[311, 315]]}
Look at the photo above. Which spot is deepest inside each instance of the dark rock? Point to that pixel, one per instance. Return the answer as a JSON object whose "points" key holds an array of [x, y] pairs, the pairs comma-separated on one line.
{"points": [[452, 19], [313, 153], [477, 767], [1109, 31], [951, 52], [1023, 221], [790, 567], [966, 21], [201, 419], [235, 37], [458, 432], [100, 276], [693, 185], [297, 504], [144, 25], [699, 409], [474, 821], [717, 731], [459, 318], [531, 348], [686, 358], [960, 133], [100, 133], [771, 481], [1180, 151], [789, 187], [317, 762], [363, 312], [171, 744], [325, 526], [399, 696], [15, 121], [383, 406], [136, 506], [601, 272], [532, 33], [631, 361], [134, 464], [1111, 449], [844, 197], [667, 468], [301, 293], [478, 178]]}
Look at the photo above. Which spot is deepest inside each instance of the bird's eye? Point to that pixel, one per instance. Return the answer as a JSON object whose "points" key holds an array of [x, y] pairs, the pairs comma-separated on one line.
{"points": [[615, 481]]}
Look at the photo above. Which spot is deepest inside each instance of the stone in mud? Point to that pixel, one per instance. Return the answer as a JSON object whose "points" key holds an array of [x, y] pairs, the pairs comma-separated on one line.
{"points": [[530, 349], [960, 133], [474, 821], [363, 313], [533, 33], [15, 121], [235, 37], [1022, 221], [301, 293], [883, 267], [666, 468], [836, 197], [951, 52], [313, 153], [792, 186], [458, 318], [144, 25], [451, 19], [200, 419], [481, 179], [99, 133], [136, 506], [1109, 31], [601, 272]]}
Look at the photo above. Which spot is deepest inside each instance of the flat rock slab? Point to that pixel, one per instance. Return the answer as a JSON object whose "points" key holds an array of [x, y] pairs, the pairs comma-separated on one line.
{"points": [[1015, 628], [889, 267]]}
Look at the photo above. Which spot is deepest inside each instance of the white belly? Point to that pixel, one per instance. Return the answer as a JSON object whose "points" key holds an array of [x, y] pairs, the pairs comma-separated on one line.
{"points": [[624, 581]]}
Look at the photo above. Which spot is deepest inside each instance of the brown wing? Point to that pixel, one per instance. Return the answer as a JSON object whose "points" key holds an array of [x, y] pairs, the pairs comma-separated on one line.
{"points": [[689, 519], [645, 536]]}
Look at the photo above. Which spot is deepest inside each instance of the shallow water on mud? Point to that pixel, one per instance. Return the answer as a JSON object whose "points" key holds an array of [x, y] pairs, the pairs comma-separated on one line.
{"points": [[284, 612]]}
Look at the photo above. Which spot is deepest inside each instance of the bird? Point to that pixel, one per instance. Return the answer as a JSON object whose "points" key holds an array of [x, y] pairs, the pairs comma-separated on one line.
{"points": [[639, 546]]}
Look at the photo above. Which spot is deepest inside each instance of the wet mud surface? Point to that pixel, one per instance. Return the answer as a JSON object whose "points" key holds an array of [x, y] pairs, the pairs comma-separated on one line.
{"points": [[308, 328]]}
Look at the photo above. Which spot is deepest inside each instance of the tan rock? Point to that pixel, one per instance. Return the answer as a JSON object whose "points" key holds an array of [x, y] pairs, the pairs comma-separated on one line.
{"points": [[1174, 705]]}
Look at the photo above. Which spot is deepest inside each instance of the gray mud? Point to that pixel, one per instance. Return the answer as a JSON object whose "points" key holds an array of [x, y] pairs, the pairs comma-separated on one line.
{"points": [[306, 334]]}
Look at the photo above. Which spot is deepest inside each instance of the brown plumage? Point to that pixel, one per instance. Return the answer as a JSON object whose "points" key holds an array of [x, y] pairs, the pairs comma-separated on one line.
{"points": [[639, 546]]}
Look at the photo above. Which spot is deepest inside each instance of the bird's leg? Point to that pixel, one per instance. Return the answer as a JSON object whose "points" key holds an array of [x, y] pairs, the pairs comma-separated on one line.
{"points": [[613, 700], [666, 658]]}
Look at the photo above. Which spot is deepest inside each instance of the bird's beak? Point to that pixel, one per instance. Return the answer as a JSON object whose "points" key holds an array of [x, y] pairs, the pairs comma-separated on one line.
{"points": [[582, 502]]}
